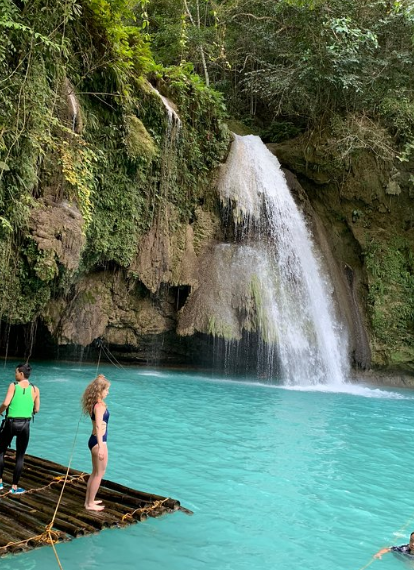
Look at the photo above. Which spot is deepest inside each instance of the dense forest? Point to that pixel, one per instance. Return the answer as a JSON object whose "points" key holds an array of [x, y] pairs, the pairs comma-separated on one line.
{"points": [[95, 188]]}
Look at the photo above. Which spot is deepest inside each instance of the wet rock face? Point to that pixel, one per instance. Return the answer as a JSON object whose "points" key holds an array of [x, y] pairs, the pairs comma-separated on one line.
{"points": [[103, 305], [366, 211], [171, 257], [129, 308], [121, 306], [57, 228], [344, 278]]}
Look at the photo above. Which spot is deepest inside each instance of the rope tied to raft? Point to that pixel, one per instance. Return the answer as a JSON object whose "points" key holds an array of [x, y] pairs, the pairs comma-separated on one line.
{"points": [[48, 536], [56, 480], [143, 510]]}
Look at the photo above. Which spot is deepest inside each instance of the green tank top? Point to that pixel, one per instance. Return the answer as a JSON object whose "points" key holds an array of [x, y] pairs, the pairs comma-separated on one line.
{"points": [[22, 403]]}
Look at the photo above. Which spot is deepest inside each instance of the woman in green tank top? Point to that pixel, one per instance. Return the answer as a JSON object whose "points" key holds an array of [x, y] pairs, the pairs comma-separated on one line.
{"points": [[21, 402]]}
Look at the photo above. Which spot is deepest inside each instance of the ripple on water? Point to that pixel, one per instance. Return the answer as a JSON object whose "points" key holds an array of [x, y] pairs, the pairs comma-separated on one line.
{"points": [[277, 478]]}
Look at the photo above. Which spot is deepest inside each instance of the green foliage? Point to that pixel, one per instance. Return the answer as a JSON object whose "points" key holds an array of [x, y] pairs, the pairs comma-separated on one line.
{"points": [[391, 293], [138, 141], [188, 157], [188, 31], [112, 168], [118, 50], [279, 131], [22, 293], [397, 112], [77, 163], [302, 62], [354, 133]]}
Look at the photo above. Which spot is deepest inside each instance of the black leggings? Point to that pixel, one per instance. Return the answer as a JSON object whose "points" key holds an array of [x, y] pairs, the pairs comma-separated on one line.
{"points": [[20, 429]]}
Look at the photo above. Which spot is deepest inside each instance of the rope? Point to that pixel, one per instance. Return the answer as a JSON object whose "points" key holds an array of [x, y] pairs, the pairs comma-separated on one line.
{"points": [[52, 543], [369, 564], [50, 536], [404, 526], [143, 510], [111, 357], [48, 529], [45, 537], [67, 473], [55, 481], [99, 359]]}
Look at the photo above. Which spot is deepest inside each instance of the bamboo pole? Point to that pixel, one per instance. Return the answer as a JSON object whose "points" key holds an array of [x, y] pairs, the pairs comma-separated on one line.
{"points": [[25, 519], [67, 523]]}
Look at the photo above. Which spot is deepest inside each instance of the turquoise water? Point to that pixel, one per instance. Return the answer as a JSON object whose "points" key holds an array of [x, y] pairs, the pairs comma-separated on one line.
{"points": [[277, 479]]}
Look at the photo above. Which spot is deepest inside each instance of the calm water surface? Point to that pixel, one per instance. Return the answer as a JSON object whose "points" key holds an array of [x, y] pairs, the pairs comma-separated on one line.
{"points": [[277, 479]]}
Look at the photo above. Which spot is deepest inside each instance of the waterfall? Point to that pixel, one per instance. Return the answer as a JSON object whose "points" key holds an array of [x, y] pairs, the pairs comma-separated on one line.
{"points": [[294, 306], [73, 106], [73, 110], [174, 120], [265, 297]]}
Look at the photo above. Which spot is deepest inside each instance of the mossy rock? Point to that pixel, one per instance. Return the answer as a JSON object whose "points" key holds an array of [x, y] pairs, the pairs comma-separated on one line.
{"points": [[138, 141], [241, 129]]}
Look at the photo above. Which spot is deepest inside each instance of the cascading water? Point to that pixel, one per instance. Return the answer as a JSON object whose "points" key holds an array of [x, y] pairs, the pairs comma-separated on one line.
{"points": [[173, 117], [294, 297], [265, 294]]}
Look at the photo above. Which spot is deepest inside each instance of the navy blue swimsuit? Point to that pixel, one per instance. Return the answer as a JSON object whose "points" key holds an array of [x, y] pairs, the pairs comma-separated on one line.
{"points": [[93, 440], [403, 549]]}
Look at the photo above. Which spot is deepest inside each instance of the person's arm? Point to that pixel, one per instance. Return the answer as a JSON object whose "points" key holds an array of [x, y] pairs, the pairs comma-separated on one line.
{"points": [[381, 552], [7, 399], [36, 399], [99, 412]]}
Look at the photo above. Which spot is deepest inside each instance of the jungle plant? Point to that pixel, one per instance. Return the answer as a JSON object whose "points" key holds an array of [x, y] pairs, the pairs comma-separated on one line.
{"points": [[391, 292]]}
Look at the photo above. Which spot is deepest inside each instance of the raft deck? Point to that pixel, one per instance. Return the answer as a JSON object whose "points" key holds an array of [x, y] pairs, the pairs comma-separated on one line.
{"points": [[29, 521]]}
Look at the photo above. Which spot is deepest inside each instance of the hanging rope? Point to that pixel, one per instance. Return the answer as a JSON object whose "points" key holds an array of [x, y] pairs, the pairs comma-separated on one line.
{"points": [[111, 357], [50, 536], [102, 348]]}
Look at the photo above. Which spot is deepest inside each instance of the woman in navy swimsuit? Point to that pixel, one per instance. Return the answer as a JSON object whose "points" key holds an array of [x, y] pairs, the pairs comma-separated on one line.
{"points": [[93, 405]]}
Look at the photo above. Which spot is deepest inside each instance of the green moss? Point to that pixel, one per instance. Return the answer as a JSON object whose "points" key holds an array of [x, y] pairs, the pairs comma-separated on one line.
{"points": [[390, 268], [220, 329], [206, 227], [117, 169], [46, 267], [266, 327], [22, 293], [138, 141], [241, 129]]}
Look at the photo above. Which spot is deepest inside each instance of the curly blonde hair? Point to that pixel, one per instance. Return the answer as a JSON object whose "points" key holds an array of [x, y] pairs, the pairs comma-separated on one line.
{"points": [[93, 392]]}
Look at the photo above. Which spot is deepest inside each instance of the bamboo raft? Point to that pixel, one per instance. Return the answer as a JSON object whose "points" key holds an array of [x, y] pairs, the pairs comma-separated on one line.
{"points": [[29, 520]]}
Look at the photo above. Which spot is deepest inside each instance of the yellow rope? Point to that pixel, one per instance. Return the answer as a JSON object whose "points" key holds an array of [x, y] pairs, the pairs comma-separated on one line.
{"points": [[143, 510], [369, 564], [66, 475], [49, 535], [46, 536], [405, 525], [52, 543], [56, 480]]}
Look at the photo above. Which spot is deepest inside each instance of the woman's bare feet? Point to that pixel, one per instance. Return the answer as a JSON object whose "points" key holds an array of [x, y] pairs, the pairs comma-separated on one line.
{"points": [[97, 502], [94, 507]]}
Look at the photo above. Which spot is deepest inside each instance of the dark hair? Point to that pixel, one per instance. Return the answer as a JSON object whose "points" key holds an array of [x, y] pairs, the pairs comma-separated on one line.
{"points": [[25, 368], [411, 534]]}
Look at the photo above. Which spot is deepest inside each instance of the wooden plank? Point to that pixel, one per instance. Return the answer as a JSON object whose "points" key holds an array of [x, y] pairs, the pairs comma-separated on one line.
{"points": [[24, 519]]}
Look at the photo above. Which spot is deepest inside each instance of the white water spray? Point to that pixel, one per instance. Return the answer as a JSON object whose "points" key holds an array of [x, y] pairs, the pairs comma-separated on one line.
{"points": [[295, 297], [173, 117]]}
